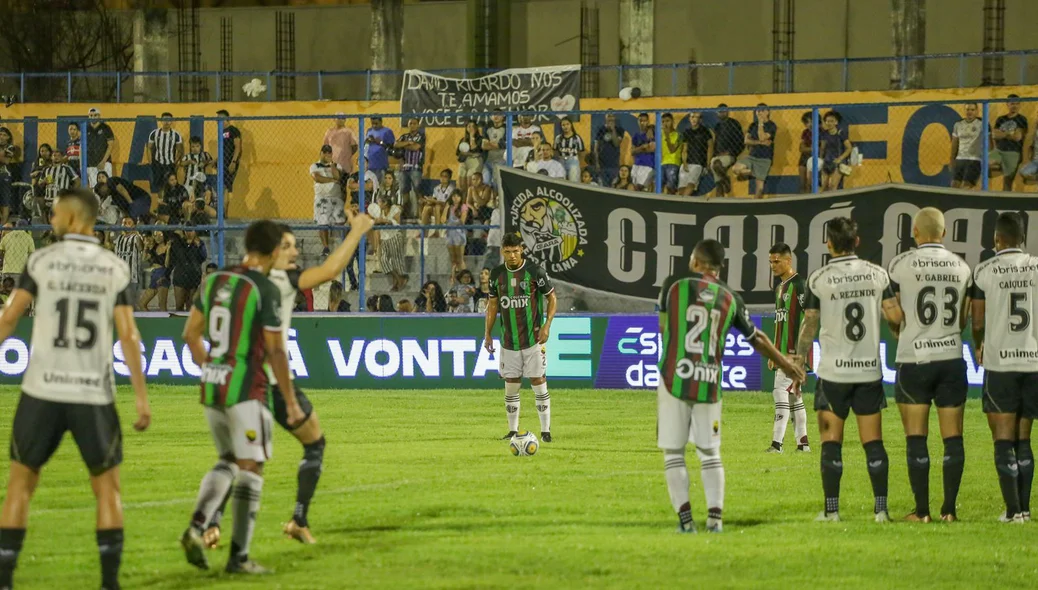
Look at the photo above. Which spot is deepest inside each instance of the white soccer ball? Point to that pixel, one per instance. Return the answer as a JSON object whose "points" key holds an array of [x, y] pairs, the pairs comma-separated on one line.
{"points": [[524, 444], [464, 147]]}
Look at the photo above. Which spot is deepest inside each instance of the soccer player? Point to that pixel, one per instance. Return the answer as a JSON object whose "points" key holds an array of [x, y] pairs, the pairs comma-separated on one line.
{"points": [[697, 309], [931, 285], [789, 311], [847, 297], [80, 290], [289, 279], [239, 310], [1009, 351], [526, 299]]}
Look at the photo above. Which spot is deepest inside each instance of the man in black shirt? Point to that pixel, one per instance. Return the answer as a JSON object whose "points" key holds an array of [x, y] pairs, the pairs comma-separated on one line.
{"points": [[607, 150], [232, 149], [697, 148], [728, 145], [100, 145], [1008, 134]]}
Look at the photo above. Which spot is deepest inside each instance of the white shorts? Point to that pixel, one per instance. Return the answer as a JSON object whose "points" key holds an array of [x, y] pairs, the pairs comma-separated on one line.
{"points": [[689, 174], [641, 175], [783, 389], [329, 211], [530, 363], [678, 422], [92, 173], [242, 430]]}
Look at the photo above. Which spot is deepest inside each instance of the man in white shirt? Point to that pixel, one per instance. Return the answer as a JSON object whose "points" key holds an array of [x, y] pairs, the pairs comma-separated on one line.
{"points": [[523, 140], [329, 207], [966, 150], [548, 165]]}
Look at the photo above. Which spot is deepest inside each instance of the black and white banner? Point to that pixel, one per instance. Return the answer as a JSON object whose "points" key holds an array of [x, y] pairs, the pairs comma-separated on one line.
{"points": [[627, 243], [449, 102]]}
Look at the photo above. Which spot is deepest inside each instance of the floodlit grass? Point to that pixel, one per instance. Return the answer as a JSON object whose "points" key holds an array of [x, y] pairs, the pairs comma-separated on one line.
{"points": [[418, 493]]}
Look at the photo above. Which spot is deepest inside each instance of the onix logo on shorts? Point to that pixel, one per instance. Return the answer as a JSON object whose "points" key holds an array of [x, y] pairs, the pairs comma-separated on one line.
{"points": [[551, 226]]}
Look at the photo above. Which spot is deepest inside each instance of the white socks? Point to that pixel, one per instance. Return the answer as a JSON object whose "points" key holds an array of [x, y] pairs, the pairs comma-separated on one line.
{"points": [[712, 472], [778, 430], [512, 405], [677, 478], [245, 503], [212, 491], [543, 402], [799, 418]]}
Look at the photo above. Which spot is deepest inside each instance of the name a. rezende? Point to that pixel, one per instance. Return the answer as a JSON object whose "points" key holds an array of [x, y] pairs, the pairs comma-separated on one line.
{"points": [[216, 374], [856, 293]]}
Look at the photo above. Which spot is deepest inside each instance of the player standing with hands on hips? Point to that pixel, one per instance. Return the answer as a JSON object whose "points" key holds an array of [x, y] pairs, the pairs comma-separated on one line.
{"points": [[789, 312], [523, 293], [80, 290], [697, 309]]}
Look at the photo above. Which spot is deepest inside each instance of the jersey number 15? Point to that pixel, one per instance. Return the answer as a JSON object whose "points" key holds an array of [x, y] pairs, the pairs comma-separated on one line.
{"points": [[83, 322]]}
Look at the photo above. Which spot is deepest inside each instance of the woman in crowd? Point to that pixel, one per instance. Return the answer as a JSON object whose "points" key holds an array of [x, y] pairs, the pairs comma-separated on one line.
{"points": [[569, 145], [393, 241], [470, 155], [482, 294], [336, 303], [805, 152], [834, 147], [479, 198], [586, 177], [466, 289], [456, 213], [432, 207], [431, 299], [174, 203], [185, 257], [623, 179], [156, 248], [385, 304]]}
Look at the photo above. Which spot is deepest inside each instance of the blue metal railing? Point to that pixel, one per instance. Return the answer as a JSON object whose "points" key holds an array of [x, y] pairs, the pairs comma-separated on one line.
{"points": [[335, 84]]}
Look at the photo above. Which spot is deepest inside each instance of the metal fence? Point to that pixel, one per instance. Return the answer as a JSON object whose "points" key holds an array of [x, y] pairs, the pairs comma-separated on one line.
{"points": [[943, 70], [268, 174]]}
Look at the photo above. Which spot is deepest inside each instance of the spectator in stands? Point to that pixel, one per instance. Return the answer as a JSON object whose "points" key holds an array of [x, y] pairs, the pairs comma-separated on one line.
{"points": [[174, 202], [58, 176], [404, 306], [569, 145], [623, 179], [336, 303], [760, 138], [470, 155], [464, 290], [377, 142], [697, 146], [433, 207], [372, 304], [967, 149], [1029, 171], [481, 296], [494, 235], [105, 239], [74, 147], [156, 250], [6, 288], [329, 207], [16, 245], [587, 177], [412, 146], [643, 146], [232, 153], [457, 302], [129, 247], [607, 150], [728, 144], [431, 299], [130, 198], [203, 211], [38, 176], [523, 137], [1008, 134], [343, 142], [548, 165], [834, 147], [186, 255], [479, 199], [805, 149], [198, 166], [10, 172], [385, 304], [670, 158], [495, 143], [100, 147], [165, 150], [393, 242], [456, 213]]}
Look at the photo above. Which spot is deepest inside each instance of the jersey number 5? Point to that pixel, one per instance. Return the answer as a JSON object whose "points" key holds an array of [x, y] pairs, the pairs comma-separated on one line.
{"points": [[82, 323], [696, 317]]}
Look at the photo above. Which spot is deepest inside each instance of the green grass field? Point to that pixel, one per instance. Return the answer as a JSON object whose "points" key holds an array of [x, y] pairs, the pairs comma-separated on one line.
{"points": [[418, 493]]}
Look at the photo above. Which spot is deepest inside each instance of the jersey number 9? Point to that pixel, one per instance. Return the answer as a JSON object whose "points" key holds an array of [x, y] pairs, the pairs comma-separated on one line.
{"points": [[219, 331]]}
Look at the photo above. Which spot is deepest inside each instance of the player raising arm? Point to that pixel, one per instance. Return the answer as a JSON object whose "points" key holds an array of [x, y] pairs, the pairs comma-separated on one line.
{"points": [[289, 279], [80, 290], [849, 297], [697, 309], [239, 310], [1006, 339], [526, 298]]}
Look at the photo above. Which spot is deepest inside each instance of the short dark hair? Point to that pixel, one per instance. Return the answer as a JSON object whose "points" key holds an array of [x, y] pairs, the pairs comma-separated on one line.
{"points": [[211, 266], [1013, 96], [709, 252], [223, 112], [640, 115], [448, 172], [807, 116], [510, 240], [285, 229], [722, 106], [833, 114], [263, 237], [1010, 227], [667, 116], [780, 248], [170, 115], [84, 198], [195, 139], [842, 234]]}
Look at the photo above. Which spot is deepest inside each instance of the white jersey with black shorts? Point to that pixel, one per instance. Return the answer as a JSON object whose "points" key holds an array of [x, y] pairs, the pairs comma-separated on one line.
{"points": [[69, 384], [1007, 284], [933, 283], [848, 294], [287, 282]]}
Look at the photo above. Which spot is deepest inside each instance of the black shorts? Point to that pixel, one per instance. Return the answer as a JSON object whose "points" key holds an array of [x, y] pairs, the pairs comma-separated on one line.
{"points": [[159, 174], [942, 383], [39, 426], [967, 171], [228, 176], [840, 398], [281, 414], [1011, 392]]}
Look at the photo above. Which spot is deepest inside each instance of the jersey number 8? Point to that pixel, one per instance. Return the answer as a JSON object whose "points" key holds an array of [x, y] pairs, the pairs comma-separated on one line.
{"points": [[696, 317]]}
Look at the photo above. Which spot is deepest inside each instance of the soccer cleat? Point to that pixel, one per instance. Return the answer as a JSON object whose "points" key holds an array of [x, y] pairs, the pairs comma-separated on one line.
{"points": [[882, 516], [194, 548], [714, 525], [509, 436], [211, 537], [828, 517], [776, 447], [1015, 519], [299, 533], [949, 518], [803, 448], [1027, 515], [245, 566], [913, 517], [546, 437]]}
